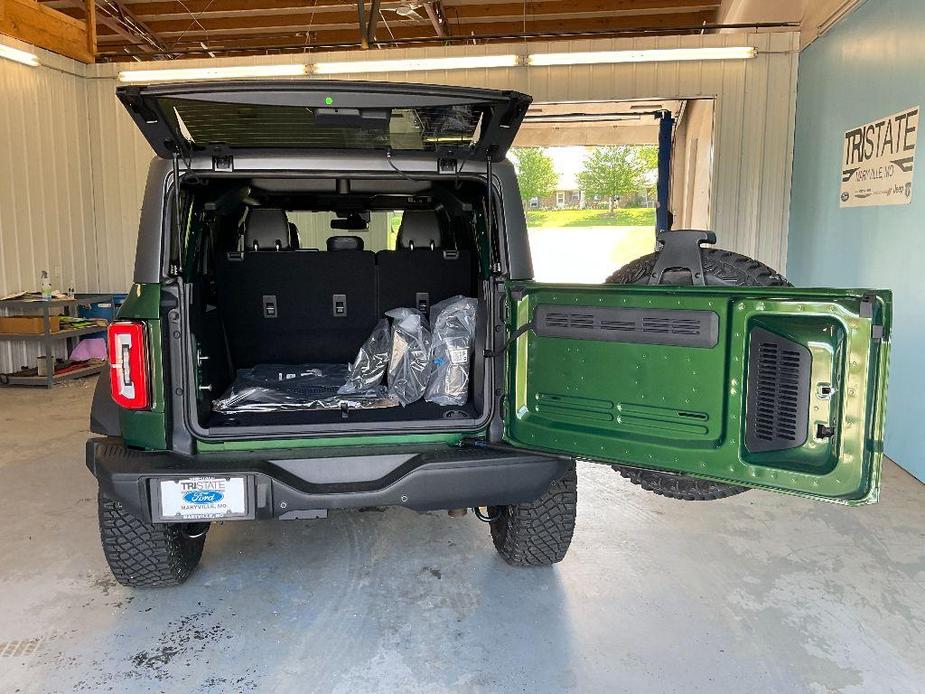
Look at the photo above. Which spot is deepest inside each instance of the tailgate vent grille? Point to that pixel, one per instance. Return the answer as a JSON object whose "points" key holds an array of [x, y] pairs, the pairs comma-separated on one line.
{"points": [[777, 406], [634, 325], [671, 326], [578, 321]]}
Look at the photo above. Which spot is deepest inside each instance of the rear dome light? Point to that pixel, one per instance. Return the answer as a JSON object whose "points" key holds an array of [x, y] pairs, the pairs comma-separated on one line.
{"points": [[128, 359]]}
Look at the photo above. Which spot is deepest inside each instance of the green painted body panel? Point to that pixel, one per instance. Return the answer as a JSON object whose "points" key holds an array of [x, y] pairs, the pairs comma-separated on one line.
{"points": [[682, 409], [147, 428]]}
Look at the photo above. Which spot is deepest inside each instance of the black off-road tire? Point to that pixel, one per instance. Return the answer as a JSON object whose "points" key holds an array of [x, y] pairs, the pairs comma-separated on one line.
{"points": [[679, 486], [146, 555], [537, 533], [719, 268]]}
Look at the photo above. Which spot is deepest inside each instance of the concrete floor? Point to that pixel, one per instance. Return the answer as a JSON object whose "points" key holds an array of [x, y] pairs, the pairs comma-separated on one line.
{"points": [[760, 593]]}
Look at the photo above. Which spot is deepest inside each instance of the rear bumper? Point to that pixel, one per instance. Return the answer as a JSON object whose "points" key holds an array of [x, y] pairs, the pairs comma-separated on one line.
{"points": [[291, 483]]}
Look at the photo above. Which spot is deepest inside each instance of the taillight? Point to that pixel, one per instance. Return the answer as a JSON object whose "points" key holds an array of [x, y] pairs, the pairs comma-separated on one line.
{"points": [[128, 359]]}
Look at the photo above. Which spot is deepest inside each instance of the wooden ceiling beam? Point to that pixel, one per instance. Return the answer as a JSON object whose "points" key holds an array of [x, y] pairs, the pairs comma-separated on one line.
{"points": [[508, 8], [267, 36], [296, 44], [46, 28], [90, 22], [113, 27], [265, 24], [205, 7], [173, 9]]}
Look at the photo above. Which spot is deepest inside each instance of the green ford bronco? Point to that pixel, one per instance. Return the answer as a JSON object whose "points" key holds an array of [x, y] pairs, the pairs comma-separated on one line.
{"points": [[334, 308]]}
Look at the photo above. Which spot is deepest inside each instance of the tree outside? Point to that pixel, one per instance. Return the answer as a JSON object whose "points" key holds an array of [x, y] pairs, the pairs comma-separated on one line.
{"points": [[536, 174], [616, 171], [573, 237]]}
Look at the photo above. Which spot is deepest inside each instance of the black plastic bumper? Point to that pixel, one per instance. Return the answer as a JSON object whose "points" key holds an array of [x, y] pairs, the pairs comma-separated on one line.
{"points": [[293, 483]]}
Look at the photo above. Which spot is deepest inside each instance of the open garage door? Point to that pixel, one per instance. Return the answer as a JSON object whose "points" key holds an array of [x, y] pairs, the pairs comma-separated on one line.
{"points": [[583, 227]]}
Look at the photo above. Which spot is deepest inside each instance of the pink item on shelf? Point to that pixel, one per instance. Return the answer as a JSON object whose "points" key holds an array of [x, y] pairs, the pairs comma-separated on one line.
{"points": [[92, 348]]}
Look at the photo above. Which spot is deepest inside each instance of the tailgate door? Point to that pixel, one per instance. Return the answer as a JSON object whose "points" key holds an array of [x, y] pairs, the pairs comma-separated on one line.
{"points": [[325, 114]]}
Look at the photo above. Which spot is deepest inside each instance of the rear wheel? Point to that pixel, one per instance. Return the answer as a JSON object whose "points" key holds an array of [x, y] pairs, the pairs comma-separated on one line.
{"points": [[148, 555], [719, 268], [537, 533]]}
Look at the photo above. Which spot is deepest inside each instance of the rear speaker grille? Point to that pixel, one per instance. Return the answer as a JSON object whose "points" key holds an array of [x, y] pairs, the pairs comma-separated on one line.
{"points": [[777, 406]]}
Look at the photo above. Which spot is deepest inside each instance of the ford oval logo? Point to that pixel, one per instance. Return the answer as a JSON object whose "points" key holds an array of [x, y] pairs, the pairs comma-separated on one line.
{"points": [[203, 496]]}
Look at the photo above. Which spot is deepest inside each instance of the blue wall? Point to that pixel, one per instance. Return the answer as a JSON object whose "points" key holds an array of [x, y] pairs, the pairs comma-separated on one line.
{"points": [[871, 64]]}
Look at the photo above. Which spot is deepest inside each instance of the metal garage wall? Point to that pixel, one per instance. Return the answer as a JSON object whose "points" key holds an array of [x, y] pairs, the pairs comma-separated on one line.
{"points": [[752, 150], [46, 216], [119, 159]]}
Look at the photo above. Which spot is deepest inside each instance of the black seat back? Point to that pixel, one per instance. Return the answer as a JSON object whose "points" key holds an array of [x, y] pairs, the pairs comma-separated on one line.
{"points": [[295, 307], [421, 272]]}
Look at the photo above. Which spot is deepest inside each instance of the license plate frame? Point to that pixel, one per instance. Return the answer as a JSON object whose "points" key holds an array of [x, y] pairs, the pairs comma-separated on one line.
{"points": [[168, 504]]}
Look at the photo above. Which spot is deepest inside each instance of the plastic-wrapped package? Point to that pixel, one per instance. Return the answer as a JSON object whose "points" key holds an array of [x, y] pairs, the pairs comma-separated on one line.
{"points": [[409, 366], [280, 387], [453, 325], [369, 367]]}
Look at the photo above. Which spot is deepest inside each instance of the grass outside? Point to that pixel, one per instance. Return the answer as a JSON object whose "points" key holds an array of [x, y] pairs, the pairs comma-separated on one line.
{"points": [[629, 217]]}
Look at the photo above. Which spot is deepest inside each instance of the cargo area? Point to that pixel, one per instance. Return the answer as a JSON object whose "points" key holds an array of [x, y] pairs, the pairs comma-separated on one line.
{"points": [[287, 278]]}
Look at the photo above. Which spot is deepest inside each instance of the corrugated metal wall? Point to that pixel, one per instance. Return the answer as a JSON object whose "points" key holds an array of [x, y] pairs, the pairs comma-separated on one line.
{"points": [[46, 197], [755, 102]]}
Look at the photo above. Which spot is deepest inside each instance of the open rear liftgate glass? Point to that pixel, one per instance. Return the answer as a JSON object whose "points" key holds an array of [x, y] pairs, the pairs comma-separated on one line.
{"points": [[774, 387]]}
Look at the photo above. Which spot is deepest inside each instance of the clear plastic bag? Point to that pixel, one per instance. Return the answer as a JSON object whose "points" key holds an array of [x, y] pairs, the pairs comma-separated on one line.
{"points": [[369, 367], [281, 387], [409, 366], [453, 323]]}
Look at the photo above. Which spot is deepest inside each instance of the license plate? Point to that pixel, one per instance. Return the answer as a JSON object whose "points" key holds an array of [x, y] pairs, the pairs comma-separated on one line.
{"points": [[203, 498]]}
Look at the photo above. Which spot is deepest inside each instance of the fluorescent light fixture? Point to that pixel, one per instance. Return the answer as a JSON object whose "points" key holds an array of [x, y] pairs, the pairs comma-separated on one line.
{"points": [[19, 56], [656, 55], [213, 73], [416, 64]]}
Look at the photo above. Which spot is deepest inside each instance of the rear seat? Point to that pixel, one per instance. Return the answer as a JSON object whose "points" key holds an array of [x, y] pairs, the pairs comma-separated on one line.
{"points": [[287, 306], [421, 271], [281, 305]]}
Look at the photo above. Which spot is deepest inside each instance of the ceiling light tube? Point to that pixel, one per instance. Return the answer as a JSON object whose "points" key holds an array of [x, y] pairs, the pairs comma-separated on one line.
{"points": [[416, 64], [213, 73], [656, 55], [19, 56]]}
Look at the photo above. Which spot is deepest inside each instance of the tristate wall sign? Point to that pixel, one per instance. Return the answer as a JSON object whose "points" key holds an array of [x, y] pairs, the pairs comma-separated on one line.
{"points": [[878, 161]]}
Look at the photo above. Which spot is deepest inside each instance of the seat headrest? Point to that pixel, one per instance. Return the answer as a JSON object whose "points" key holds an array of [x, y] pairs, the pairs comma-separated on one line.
{"points": [[267, 229], [345, 243], [294, 236], [420, 229]]}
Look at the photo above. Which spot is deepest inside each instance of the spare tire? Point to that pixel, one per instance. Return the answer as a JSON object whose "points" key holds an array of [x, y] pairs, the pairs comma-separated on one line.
{"points": [[720, 268]]}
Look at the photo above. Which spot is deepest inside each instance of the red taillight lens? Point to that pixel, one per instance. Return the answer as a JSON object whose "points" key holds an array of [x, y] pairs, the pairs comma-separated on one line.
{"points": [[128, 359]]}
